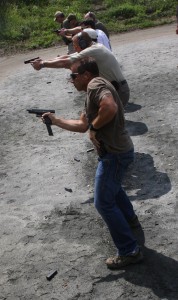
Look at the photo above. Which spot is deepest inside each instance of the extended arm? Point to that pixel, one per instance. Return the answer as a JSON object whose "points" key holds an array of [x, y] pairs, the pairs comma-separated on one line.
{"points": [[58, 62], [80, 125], [64, 33], [71, 31]]}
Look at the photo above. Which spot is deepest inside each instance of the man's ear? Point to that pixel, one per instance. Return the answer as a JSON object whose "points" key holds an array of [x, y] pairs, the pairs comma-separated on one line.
{"points": [[87, 75]]}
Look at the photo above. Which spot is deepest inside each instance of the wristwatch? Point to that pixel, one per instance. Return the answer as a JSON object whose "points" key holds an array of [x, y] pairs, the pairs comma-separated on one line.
{"points": [[91, 127], [42, 65]]}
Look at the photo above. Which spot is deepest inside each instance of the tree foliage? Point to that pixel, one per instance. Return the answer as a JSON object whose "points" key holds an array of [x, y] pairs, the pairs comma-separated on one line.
{"points": [[29, 23]]}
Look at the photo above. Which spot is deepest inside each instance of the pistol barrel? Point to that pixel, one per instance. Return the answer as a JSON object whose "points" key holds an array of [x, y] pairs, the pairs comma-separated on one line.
{"points": [[30, 60]]}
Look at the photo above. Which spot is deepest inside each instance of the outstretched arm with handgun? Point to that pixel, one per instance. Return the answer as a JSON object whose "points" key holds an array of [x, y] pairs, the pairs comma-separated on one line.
{"points": [[58, 62]]}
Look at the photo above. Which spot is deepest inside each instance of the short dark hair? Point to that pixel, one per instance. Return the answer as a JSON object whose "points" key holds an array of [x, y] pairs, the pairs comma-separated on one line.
{"points": [[84, 39], [89, 22], [88, 64], [71, 17]]}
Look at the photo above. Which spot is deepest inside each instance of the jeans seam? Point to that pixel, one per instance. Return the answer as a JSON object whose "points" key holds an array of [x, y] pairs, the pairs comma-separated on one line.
{"points": [[105, 173]]}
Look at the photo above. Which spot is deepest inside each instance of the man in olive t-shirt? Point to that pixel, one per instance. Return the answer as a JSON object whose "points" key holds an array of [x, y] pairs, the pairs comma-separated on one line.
{"points": [[113, 135], [59, 17], [104, 118]]}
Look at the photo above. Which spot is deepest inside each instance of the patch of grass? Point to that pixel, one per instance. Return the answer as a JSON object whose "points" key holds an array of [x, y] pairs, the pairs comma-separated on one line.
{"points": [[28, 24], [125, 11]]}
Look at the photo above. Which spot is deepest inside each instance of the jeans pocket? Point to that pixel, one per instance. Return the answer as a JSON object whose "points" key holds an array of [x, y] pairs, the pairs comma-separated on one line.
{"points": [[120, 171], [102, 172], [122, 166]]}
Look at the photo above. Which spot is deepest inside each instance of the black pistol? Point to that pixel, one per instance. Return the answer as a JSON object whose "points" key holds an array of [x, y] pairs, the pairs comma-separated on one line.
{"points": [[39, 112], [56, 30], [30, 60]]}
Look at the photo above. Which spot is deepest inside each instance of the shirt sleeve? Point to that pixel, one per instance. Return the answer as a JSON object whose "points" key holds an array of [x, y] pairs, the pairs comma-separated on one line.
{"points": [[96, 91], [76, 56]]}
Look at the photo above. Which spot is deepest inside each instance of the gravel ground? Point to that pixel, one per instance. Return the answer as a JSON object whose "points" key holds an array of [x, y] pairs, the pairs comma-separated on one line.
{"points": [[47, 218]]}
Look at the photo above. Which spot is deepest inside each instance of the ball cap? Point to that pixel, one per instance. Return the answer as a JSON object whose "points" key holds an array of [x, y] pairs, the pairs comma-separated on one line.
{"points": [[71, 17], [91, 32], [57, 14]]}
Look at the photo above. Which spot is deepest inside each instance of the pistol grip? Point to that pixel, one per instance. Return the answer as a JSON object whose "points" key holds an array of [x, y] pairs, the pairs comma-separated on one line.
{"points": [[48, 125]]}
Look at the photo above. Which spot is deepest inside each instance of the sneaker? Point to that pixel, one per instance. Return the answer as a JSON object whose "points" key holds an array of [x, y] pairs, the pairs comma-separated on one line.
{"points": [[119, 262], [134, 223]]}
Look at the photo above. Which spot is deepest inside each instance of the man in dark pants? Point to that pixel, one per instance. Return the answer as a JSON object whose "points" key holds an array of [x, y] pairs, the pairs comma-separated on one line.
{"points": [[104, 117]]}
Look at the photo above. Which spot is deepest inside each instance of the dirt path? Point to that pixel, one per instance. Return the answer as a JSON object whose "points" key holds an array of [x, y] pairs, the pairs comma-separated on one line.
{"points": [[47, 217]]}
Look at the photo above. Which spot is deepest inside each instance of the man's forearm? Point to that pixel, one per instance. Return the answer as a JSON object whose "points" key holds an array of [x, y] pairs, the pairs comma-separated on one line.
{"points": [[80, 125], [71, 125], [57, 63], [73, 31]]}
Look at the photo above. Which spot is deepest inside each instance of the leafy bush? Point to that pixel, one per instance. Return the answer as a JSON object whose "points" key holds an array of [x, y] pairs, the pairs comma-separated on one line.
{"points": [[112, 3], [125, 11], [29, 23]]}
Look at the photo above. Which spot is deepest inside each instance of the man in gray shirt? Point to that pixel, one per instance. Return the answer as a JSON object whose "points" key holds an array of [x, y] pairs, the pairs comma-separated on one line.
{"points": [[108, 65]]}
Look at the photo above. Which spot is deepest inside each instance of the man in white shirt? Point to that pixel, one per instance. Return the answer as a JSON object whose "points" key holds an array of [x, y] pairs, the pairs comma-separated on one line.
{"points": [[98, 36], [102, 37]]}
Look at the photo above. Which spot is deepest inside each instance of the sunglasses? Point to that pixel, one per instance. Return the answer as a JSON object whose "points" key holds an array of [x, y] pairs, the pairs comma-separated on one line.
{"points": [[73, 75]]}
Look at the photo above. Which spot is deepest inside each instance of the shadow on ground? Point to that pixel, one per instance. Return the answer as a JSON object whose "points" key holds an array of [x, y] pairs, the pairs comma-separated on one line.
{"points": [[132, 107], [145, 179], [136, 128], [158, 273]]}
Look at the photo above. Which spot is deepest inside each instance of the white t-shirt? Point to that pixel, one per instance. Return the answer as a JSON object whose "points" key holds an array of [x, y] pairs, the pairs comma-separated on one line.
{"points": [[103, 39]]}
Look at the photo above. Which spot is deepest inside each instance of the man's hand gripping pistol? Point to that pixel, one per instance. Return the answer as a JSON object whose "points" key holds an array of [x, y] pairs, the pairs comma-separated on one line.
{"points": [[39, 113]]}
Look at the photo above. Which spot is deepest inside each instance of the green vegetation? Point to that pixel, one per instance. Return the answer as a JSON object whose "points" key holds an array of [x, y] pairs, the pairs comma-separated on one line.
{"points": [[28, 24]]}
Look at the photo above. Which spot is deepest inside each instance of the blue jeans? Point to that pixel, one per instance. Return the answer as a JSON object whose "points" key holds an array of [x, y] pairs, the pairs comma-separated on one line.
{"points": [[111, 201]]}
